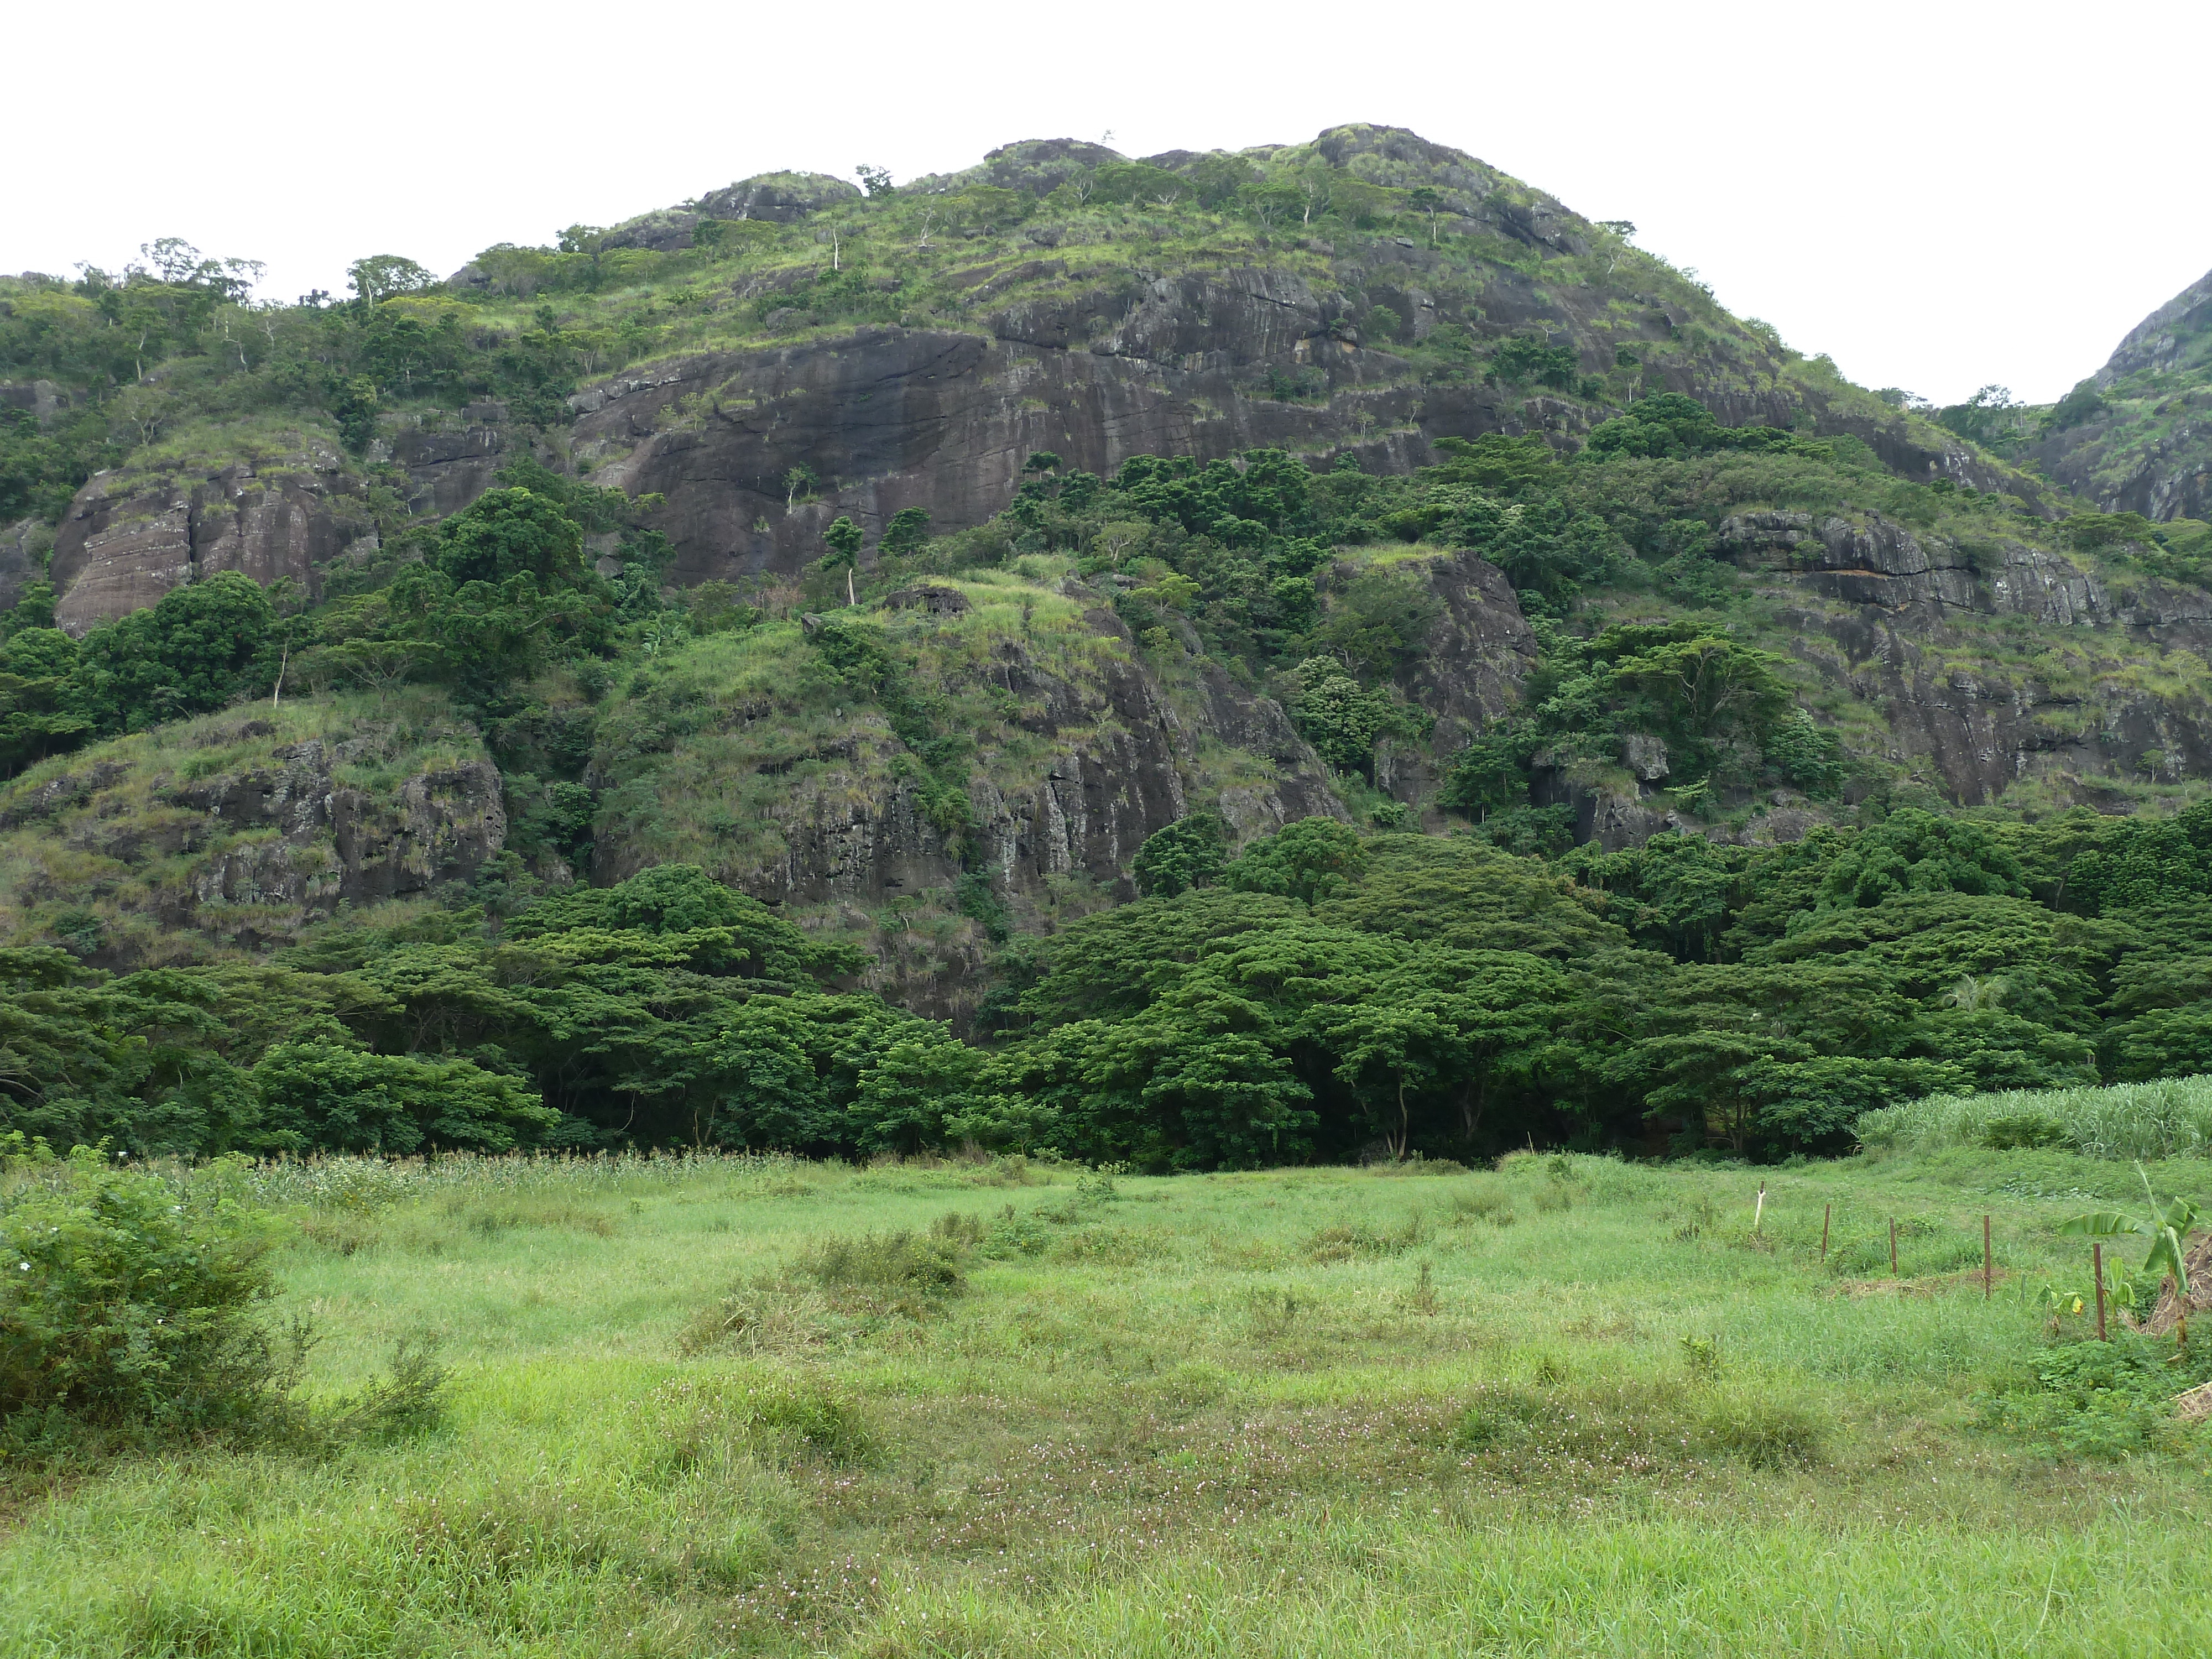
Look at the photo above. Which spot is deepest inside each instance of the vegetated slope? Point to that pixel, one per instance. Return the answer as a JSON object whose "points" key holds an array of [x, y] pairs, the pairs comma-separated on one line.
{"points": [[2137, 436], [792, 352], [1742, 632], [225, 834]]}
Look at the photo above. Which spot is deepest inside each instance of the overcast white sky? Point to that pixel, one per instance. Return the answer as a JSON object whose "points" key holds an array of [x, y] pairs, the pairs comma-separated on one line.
{"points": [[1938, 194]]}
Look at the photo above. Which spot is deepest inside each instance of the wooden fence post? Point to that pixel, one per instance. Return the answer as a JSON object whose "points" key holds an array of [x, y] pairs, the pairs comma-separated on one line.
{"points": [[1827, 1210], [1985, 1258], [1892, 1246]]}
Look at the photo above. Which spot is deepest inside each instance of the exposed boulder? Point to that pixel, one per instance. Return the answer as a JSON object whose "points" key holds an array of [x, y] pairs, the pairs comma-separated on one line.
{"points": [[41, 399], [2162, 341], [25, 546]]}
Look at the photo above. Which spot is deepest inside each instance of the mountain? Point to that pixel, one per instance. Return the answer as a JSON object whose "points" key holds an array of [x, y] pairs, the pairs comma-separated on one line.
{"points": [[1440, 463], [2137, 436]]}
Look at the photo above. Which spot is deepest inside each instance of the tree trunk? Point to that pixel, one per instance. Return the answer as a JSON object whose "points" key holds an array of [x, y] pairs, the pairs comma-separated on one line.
{"points": [[1472, 1101]]}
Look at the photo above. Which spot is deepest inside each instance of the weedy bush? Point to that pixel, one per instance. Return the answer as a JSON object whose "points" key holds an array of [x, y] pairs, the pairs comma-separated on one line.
{"points": [[810, 1419], [129, 1309], [1767, 1434], [1270, 1314], [1554, 1196], [1484, 1203], [1422, 1299], [410, 1401], [1637, 1423], [1701, 1219], [2100, 1400], [135, 1313], [1012, 1234]]}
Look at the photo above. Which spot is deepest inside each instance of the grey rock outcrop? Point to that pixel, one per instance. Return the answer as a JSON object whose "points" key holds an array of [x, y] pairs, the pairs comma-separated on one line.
{"points": [[891, 418], [779, 197], [24, 547], [41, 399], [1881, 604], [1119, 759], [450, 465], [2162, 340], [337, 842], [131, 536]]}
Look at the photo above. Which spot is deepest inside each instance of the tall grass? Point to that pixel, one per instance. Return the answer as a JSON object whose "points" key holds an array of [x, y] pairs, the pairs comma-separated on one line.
{"points": [[706, 1405], [2167, 1118], [342, 1183]]}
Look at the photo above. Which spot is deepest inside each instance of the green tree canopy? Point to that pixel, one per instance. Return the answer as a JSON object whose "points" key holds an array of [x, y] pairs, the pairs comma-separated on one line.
{"points": [[512, 533]]}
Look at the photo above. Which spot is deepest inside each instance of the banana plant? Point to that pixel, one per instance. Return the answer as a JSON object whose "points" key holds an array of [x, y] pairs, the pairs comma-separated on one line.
{"points": [[2166, 1225]]}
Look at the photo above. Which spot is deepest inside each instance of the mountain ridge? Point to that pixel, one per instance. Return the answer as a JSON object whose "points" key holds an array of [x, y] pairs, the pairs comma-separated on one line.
{"points": [[1256, 337]]}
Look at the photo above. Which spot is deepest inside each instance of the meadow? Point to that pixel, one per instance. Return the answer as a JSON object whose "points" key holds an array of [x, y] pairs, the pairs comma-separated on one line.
{"points": [[1571, 1406]]}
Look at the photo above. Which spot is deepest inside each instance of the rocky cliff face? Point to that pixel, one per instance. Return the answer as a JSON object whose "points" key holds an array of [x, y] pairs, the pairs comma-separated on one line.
{"points": [[25, 548], [131, 535], [891, 418], [1073, 743], [2105, 683], [775, 197], [134, 533], [1084, 744], [234, 831], [2143, 443], [2164, 342]]}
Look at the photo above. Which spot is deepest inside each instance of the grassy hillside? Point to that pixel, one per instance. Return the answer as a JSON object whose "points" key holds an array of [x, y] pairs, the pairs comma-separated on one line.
{"points": [[1572, 1406]]}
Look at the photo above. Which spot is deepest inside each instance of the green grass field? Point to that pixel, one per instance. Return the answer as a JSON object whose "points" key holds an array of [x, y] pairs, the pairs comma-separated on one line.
{"points": [[1571, 1406]]}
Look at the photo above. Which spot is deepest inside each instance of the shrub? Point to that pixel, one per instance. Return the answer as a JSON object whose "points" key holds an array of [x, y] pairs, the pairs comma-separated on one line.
{"points": [[410, 1401], [1189, 853], [127, 1308], [2098, 1399], [1521, 359]]}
